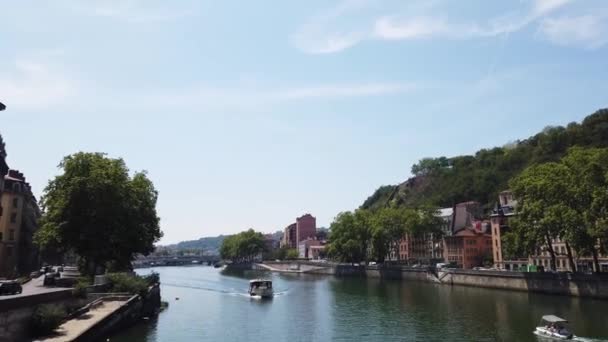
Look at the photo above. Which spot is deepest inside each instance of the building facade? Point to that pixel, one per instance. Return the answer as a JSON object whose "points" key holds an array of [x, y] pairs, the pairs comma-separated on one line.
{"points": [[306, 227], [11, 214], [19, 215], [468, 248], [305, 248], [289, 237]]}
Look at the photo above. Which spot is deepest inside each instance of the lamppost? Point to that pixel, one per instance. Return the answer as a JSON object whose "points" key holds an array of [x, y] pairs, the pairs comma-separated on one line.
{"points": [[2, 106]]}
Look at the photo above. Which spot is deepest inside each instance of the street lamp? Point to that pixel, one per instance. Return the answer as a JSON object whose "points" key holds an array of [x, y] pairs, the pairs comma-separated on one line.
{"points": [[2, 106]]}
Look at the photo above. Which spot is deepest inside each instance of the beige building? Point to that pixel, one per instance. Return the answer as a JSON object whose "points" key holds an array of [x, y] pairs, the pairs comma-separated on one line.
{"points": [[11, 210]]}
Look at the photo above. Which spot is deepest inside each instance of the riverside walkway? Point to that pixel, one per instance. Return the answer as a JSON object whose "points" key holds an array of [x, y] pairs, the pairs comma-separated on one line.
{"points": [[72, 329]]}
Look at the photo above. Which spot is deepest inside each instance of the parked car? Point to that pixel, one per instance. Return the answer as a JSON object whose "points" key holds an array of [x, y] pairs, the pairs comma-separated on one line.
{"points": [[10, 287], [49, 279]]}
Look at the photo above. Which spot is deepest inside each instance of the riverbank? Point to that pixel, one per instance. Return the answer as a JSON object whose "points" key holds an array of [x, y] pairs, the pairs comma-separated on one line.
{"points": [[565, 284]]}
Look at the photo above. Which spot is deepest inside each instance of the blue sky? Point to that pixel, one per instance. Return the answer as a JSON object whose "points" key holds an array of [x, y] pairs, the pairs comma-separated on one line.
{"points": [[250, 113]]}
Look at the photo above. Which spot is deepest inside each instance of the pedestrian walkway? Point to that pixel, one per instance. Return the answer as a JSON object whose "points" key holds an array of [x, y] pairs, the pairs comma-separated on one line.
{"points": [[73, 328]]}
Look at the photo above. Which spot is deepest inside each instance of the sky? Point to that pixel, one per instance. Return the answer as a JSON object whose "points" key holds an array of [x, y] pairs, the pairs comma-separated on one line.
{"points": [[251, 113]]}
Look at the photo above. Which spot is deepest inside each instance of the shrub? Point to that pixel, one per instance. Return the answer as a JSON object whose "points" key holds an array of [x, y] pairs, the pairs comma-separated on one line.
{"points": [[152, 278], [47, 318], [80, 289], [122, 282]]}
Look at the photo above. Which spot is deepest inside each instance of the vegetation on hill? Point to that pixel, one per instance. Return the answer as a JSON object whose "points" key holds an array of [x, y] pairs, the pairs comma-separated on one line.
{"points": [[206, 244], [445, 181]]}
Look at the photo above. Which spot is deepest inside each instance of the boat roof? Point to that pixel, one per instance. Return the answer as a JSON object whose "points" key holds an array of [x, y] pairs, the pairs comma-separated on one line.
{"points": [[554, 319], [260, 281]]}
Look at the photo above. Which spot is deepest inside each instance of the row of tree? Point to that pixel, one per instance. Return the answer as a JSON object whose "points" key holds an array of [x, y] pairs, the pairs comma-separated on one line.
{"points": [[565, 200], [243, 247], [365, 235]]}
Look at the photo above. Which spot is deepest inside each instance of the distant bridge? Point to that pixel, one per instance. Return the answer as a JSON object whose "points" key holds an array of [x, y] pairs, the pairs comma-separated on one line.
{"points": [[151, 261]]}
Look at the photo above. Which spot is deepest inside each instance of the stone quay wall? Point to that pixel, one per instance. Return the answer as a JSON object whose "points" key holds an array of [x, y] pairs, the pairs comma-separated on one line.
{"points": [[565, 284]]}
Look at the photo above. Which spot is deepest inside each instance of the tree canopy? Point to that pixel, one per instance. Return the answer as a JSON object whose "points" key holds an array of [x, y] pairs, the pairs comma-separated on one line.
{"points": [[563, 200], [100, 212], [364, 234], [243, 247]]}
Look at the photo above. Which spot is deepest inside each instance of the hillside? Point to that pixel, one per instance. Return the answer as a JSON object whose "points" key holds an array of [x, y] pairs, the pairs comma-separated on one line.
{"points": [[208, 244], [445, 181]]}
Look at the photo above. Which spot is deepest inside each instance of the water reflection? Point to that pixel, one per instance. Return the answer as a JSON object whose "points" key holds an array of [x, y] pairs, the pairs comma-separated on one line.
{"points": [[215, 305]]}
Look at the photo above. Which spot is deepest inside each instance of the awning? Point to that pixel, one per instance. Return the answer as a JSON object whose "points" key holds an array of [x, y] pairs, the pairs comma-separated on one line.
{"points": [[554, 319]]}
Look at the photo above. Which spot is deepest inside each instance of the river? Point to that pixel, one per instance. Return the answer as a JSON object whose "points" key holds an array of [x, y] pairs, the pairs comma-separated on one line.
{"points": [[206, 304]]}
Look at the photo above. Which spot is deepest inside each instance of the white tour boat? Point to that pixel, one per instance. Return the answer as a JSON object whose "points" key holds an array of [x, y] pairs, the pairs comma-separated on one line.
{"points": [[261, 288], [554, 327]]}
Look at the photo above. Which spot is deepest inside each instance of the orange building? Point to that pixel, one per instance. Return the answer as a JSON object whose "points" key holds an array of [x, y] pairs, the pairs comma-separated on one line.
{"points": [[468, 248]]}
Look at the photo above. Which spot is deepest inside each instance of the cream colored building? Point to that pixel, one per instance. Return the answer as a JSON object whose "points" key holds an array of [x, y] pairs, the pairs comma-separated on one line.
{"points": [[11, 212]]}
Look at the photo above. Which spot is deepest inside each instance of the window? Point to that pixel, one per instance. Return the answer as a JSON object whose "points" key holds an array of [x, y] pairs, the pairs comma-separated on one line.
{"points": [[15, 203], [11, 235], [13, 217], [9, 251], [1, 210], [0, 236]]}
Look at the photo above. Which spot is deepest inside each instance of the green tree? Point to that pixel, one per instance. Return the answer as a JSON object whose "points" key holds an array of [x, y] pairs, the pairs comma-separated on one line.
{"points": [[292, 254], [589, 198], [243, 247], [96, 209], [389, 226], [350, 235], [540, 191]]}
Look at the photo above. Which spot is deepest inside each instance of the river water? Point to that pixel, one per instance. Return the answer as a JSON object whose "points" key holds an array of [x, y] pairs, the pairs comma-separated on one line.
{"points": [[206, 304]]}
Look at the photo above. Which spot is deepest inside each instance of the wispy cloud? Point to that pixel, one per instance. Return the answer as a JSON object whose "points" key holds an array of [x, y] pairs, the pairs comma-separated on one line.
{"points": [[325, 33], [33, 85], [588, 31], [237, 96], [132, 11]]}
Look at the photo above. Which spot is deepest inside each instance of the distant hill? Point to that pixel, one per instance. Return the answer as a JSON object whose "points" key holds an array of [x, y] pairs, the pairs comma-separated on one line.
{"points": [[207, 244], [445, 181]]}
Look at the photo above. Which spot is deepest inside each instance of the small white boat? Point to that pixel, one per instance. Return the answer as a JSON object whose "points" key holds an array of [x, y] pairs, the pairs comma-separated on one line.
{"points": [[554, 327], [261, 288]]}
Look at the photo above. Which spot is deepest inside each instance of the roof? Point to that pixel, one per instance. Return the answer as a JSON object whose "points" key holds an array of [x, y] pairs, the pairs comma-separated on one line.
{"points": [[259, 281], [554, 319], [446, 212]]}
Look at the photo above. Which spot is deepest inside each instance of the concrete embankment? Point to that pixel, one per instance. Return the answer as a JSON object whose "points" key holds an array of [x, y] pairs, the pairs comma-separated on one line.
{"points": [[100, 314], [577, 285], [566, 284]]}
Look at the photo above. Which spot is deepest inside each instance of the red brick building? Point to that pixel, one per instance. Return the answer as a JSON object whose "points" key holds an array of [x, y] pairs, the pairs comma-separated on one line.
{"points": [[306, 227]]}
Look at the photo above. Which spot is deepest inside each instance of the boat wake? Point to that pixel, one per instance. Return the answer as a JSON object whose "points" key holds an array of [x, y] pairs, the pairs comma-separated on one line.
{"points": [[231, 292], [583, 339]]}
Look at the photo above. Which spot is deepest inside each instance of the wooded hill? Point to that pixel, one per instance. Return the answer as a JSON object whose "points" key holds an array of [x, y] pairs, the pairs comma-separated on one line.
{"points": [[445, 181]]}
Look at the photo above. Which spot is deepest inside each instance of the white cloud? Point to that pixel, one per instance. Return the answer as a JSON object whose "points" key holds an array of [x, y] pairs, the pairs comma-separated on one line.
{"points": [[391, 28], [542, 7], [588, 31], [32, 85], [316, 35], [323, 35]]}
